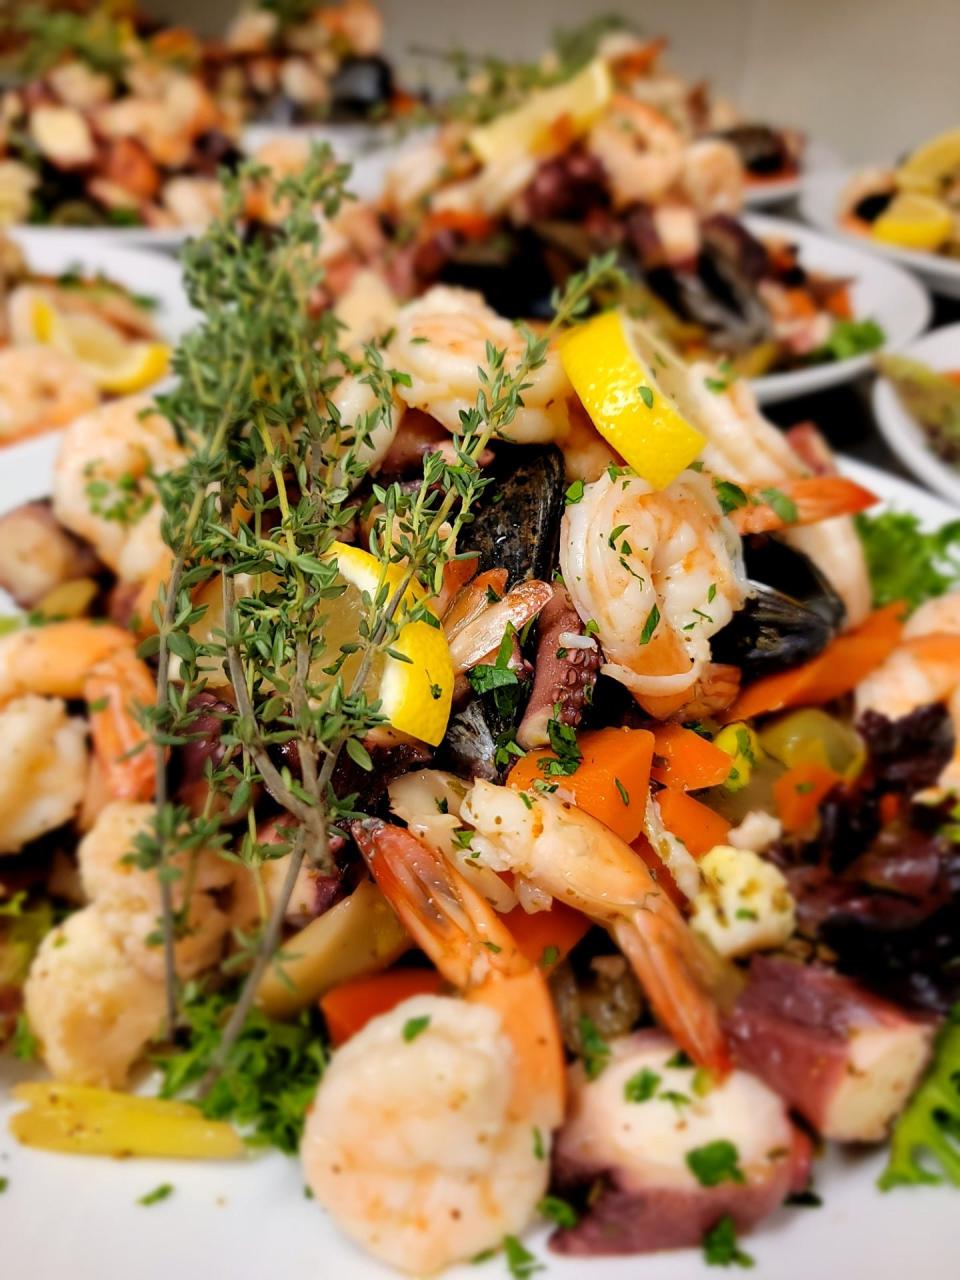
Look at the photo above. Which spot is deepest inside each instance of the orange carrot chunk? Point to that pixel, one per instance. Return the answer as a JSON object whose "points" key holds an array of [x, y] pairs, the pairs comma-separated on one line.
{"points": [[694, 823], [610, 782], [687, 762], [546, 937], [798, 792], [349, 1007]]}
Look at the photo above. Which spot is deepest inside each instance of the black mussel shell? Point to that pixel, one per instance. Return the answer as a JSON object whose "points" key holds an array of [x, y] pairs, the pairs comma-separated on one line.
{"points": [[774, 563], [470, 746], [792, 616], [760, 148], [512, 271], [359, 86], [517, 520]]}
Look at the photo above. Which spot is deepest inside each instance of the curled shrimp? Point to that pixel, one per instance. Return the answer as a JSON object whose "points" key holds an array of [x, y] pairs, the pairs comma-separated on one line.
{"points": [[117, 688], [575, 858], [440, 342], [659, 573], [924, 668], [430, 1148], [743, 446], [640, 149], [103, 483], [55, 660], [713, 177], [45, 772], [41, 389]]}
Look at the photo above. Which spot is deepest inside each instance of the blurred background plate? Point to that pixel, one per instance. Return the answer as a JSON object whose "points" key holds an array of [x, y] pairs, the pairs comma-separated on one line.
{"points": [[881, 291], [941, 351], [819, 198], [817, 158]]}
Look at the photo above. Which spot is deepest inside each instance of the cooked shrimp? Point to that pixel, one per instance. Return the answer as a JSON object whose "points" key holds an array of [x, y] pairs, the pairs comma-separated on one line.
{"points": [[659, 573], [491, 190], [128, 897], [743, 446], [924, 668], [713, 176], [55, 660], [421, 169], [117, 689], [44, 775], [192, 201], [441, 341], [41, 389], [356, 24], [107, 461], [640, 149], [570, 855], [92, 1011], [428, 1149]]}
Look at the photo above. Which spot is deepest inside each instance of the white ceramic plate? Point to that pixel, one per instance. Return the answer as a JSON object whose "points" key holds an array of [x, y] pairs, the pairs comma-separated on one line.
{"points": [[347, 141], [819, 200], [940, 350], [68, 1216], [817, 158], [881, 292], [52, 251], [169, 238]]}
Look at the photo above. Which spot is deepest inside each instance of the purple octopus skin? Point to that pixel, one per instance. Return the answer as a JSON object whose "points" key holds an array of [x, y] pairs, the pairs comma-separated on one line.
{"points": [[563, 676]]}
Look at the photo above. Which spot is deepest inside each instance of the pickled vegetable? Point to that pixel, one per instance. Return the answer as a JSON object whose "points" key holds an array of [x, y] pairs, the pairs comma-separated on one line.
{"points": [[812, 736], [99, 1122]]}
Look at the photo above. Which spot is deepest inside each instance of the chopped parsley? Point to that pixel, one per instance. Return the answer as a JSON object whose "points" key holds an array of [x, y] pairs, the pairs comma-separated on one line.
{"points": [[539, 1151], [163, 1192], [729, 495], [521, 1263], [414, 1027], [558, 1211], [714, 1163], [785, 508], [646, 395], [4, 1183], [923, 1146], [641, 1086], [484, 678], [594, 1050], [549, 957], [650, 626], [567, 754], [720, 1248], [904, 562], [624, 793], [574, 492], [680, 1059]]}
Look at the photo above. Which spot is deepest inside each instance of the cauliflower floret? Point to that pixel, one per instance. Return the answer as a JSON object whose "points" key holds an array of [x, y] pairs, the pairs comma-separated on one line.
{"points": [[128, 898], [45, 770], [744, 904], [92, 1011], [757, 831]]}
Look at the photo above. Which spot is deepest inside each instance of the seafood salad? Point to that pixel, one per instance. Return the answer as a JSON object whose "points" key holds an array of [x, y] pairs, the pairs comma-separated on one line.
{"points": [[67, 342], [105, 127], [303, 63], [494, 764], [515, 192], [914, 206]]}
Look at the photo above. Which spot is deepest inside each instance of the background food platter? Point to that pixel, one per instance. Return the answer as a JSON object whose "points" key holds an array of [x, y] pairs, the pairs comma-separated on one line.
{"points": [[817, 158], [80, 1217], [819, 198]]}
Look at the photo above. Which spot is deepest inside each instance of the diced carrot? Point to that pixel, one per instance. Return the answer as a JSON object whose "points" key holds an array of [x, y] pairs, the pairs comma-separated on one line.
{"points": [[661, 873], [801, 303], [349, 1007], [889, 807], [836, 671], [688, 762], [798, 792], [838, 303], [473, 226], [546, 937], [611, 781], [694, 823], [953, 375]]}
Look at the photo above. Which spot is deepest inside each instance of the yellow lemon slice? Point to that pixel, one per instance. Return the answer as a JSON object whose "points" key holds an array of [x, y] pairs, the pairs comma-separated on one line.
{"points": [[415, 694], [930, 165], [914, 221], [628, 399], [527, 130], [116, 365]]}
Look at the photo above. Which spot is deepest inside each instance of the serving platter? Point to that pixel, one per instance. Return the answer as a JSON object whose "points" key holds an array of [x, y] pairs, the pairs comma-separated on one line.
{"points": [[817, 158], [819, 199], [63, 1215], [55, 250], [881, 291], [939, 349]]}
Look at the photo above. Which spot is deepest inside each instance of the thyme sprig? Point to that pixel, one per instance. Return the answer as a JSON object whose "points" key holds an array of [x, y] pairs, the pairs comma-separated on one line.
{"points": [[253, 602]]}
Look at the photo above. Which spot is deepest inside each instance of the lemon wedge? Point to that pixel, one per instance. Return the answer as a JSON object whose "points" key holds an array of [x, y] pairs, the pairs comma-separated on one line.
{"points": [[415, 694], [628, 398], [530, 129], [925, 169], [117, 366], [914, 221]]}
